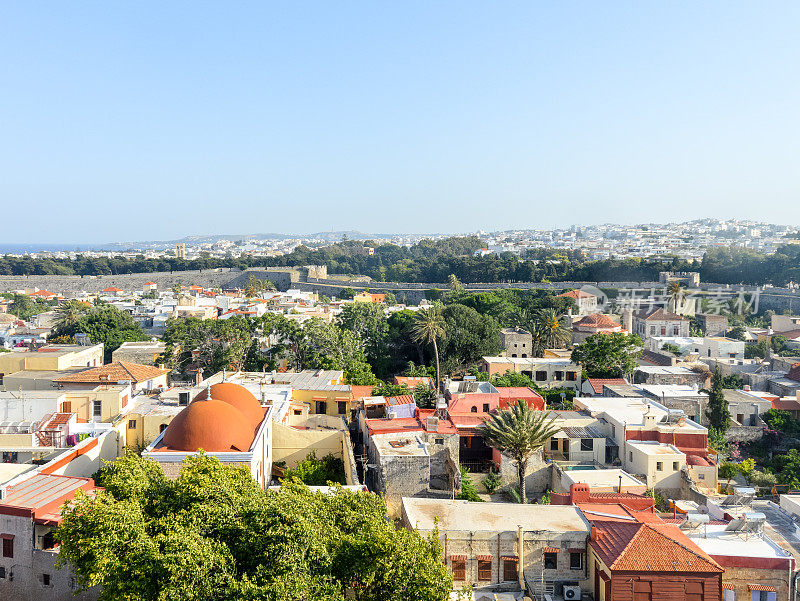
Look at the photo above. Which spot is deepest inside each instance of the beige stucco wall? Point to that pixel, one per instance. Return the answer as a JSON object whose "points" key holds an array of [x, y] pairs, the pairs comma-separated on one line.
{"points": [[292, 445]]}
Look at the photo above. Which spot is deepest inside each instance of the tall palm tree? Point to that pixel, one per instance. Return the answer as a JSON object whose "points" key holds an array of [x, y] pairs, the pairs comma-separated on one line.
{"points": [[518, 432], [675, 295], [550, 329], [427, 328], [68, 313]]}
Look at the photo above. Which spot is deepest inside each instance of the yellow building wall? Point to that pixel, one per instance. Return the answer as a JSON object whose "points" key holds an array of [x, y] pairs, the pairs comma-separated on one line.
{"points": [[146, 430], [292, 445], [331, 397], [81, 403]]}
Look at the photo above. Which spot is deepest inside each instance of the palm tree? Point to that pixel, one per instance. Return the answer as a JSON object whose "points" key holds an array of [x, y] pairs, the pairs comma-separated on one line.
{"points": [[675, 295], [550, 329], [518, 432], [427, 328], [68, 313]]}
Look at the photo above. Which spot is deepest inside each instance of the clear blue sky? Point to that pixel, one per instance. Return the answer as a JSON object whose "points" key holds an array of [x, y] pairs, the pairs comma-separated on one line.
{"points": [[154, 120]]}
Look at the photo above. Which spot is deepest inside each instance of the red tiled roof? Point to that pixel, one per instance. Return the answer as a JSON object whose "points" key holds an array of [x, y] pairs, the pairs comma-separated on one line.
{"points": [[114, 372], [651, 547], [577, 294], [660, 314], [786, 404], [598, 383], [150, 284], [597, 320], [112, 289], [359, 392], [42, 293], [412, 381], [403, 399], [408, 424], [510, 394], [794, 373]]}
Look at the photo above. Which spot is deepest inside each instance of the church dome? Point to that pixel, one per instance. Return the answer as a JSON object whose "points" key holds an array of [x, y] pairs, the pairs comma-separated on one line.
{"points": [[237, 396], [214, 426]]}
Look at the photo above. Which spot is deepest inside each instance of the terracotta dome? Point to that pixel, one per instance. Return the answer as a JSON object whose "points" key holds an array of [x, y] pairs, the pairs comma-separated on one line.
{"points": [[239, 397], [213, 426]]}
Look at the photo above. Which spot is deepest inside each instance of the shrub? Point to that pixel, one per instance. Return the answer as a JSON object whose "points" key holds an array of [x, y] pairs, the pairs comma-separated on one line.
{"points": [[492, 482], [468, 491], [318, 472]]}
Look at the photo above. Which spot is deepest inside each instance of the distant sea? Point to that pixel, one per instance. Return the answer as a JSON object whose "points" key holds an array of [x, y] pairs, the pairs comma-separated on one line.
{"points": [[18, 249]]}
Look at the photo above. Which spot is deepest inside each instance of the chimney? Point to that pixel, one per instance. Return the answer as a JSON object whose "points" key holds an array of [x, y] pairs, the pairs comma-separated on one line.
{"points": [[596, 534], [747, 387]]}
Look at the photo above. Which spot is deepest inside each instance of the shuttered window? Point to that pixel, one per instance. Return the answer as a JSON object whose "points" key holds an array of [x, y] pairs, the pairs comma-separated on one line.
{"points": [[509, 568], [642, 591], [485, 569], [459, 567], [694, 591]]}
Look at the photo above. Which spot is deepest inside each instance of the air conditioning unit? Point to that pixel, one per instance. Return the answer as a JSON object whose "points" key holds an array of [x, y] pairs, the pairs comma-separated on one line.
{"points": [[572, 593]]}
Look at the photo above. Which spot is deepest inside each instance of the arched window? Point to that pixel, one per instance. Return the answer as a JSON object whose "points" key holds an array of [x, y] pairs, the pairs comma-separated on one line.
{"points": [[474, 409]]}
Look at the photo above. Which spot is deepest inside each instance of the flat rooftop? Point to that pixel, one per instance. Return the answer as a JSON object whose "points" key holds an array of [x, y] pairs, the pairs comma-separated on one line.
{"points": [[666, 370], [466, 516], [631, 411], [651, 447], [530, 361], [407, 445], [715, 540], [600, 478], [660, 391]]}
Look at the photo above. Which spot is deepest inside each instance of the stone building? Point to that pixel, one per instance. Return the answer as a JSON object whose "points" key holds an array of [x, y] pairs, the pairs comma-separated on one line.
{"points": [[712, 324], [143, 353], [516, 342], [659, 322], [506, 547]]}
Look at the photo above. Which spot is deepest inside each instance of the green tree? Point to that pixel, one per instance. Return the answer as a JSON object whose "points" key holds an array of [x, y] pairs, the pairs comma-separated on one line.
{"points": [[428, 328], [468, 337], [468, 491], [346, 293], [728, 471], [214, 534], [746, 467], [717, 410], [106, 324], [68, 313], [318, 472], [518, 432], [549, 330], [608, 355]]}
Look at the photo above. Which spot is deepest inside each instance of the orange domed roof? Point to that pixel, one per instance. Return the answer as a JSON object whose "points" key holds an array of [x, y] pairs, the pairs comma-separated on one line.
{"points": [[239, 397], [213, 426]]}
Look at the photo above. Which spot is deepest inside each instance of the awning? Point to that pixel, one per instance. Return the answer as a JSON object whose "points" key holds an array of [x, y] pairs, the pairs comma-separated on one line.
{"points": [[458, 558], [485, 557], [551, 550], [762, 587], [728, 586], [509, 558], [7, 536]]}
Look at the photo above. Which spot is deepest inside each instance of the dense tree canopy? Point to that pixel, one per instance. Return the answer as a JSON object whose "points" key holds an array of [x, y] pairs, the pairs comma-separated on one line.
{"points": [[213, 534], [103, 323], [439, 260], [608, 355]]}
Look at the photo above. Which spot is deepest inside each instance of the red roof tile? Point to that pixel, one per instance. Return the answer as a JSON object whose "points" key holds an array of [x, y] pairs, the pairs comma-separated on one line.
{"points": [[651, 547], [794, 373], [660, 314], [597, 320], [116, 371], [598, 383], [577, 294]]}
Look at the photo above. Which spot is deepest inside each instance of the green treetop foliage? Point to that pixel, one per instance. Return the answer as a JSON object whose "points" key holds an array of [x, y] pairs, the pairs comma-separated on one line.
{"points": [[608, 355], [717, 411], [214, 534], [104, 323], [25, 307], [318, 472]]}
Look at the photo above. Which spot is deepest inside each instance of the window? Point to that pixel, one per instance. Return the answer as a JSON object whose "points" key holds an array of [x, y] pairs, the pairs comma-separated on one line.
{"points": [[342, 407], [554, 444], [675, 466], [486, 407], [694, 591], [131, 424], [763, 595], [652, 330], [509, 568], [298, 412], [484, 569], [46, 579], [541, 376], [630, 456], [439, 440], [1, 378], [551, 561], [701, 476], [753, 418], [8, 545], [663, 330], [473, 409], [162, 427], [730, 595], [676, 330], [572, 376], [559, 375], [513, 355], [642, 590], [66, 406], [183, 398], [125, 400], [97, 409], [322, 407], [587, 444], [659, 466], [459, 567], [575, 560], [613, 431], [2, 572], [48, 541]]}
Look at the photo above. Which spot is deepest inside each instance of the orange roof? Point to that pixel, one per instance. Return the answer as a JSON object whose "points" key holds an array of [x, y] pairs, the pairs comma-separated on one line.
{"points": [[786, 404], [359, 392], [651, 547], [794, 373], [598, 383], [238, 396], [211, 425], [40, 497], [42, 293], [150, 284], [112, 289], [412, 381], [116, 371], [597, 320], [510, 394], [577, 294]]}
